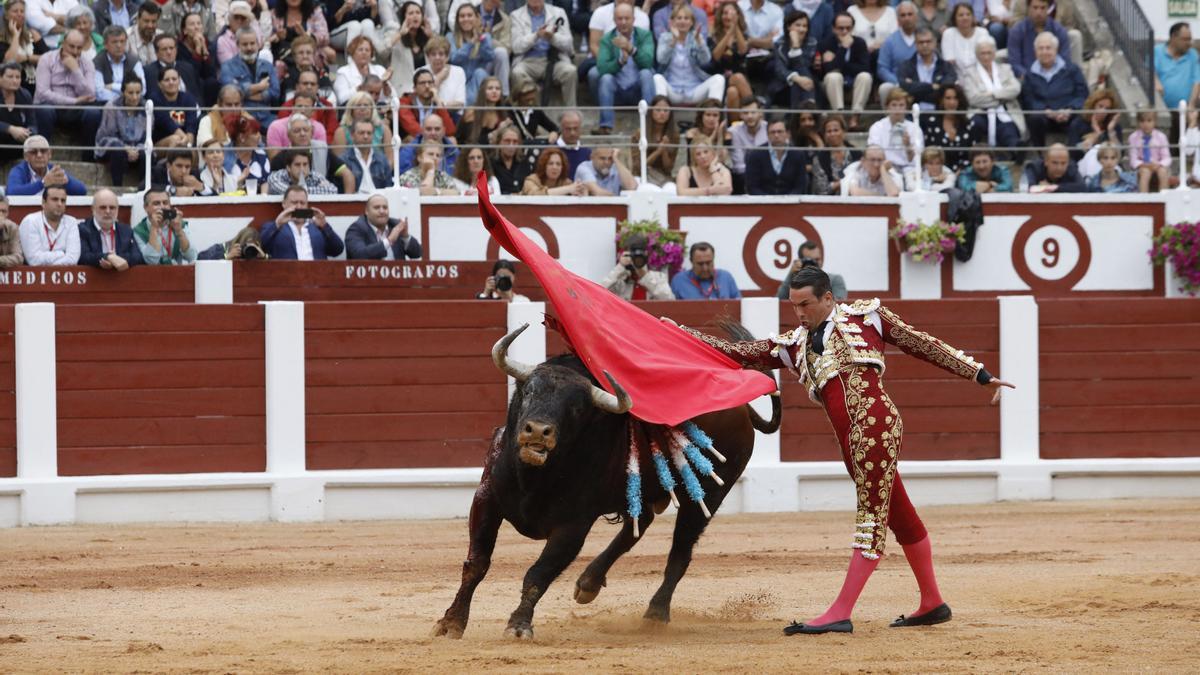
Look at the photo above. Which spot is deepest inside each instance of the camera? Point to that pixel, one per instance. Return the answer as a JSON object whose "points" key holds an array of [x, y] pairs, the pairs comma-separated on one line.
{"points": [[504, 283], [639, 257], [169, 214], [302, 214], [810, 262], [253, 251]]}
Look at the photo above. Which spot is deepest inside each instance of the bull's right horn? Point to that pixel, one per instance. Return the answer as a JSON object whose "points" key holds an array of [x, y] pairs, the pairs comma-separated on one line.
{"points": [[619, 404], [519, 371]]}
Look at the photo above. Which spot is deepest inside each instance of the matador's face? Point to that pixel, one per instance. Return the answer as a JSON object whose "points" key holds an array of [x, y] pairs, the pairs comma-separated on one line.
{"points": [[810, 309]]}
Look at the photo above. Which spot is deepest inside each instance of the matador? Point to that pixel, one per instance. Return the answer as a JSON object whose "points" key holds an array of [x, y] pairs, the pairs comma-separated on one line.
{"points": [[837, 352]]}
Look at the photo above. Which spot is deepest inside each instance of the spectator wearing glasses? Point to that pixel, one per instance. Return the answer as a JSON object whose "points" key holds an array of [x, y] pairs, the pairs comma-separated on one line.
{"points": [[421, 103], [847, 66], [32, 175], [926, 75]]}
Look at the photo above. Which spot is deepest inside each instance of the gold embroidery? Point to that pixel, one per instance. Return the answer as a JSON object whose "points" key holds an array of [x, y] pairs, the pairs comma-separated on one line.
{"points": [[860, 307], [751, 352], [925, 346]]}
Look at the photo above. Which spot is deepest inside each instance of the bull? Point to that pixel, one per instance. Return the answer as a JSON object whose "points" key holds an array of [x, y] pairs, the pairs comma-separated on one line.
{"points": [[559, 464]]}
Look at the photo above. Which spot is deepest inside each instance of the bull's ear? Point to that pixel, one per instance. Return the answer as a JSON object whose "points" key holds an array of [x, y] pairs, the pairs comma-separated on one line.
{"points": [[519, 371], [618, 404]]}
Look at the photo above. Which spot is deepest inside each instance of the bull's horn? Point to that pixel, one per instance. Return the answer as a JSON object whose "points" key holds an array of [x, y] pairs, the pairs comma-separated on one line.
{"points": [[519, 371], [621, 403]]}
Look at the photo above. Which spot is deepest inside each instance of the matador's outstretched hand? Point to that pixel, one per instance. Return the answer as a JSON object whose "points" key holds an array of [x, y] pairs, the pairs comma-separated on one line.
{"points": [[996, 383]]}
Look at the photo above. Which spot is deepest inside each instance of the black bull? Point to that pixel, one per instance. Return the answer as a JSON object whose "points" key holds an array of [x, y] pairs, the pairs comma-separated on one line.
{"points": [[559, 464]]}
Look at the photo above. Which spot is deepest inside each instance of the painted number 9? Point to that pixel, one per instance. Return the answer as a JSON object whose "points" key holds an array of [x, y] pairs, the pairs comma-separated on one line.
{"points": [[783, 254], [1051, 248], [1051, 252]]}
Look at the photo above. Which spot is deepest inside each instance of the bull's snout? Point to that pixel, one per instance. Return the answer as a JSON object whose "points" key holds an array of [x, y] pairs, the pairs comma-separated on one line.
{"points": [[536, 440]]}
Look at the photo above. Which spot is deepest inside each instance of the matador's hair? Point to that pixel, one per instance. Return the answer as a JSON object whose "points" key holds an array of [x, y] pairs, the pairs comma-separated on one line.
{"points": [[812, 276]]}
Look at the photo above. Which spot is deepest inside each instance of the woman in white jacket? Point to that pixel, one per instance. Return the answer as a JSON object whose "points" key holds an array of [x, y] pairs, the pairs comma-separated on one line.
{"points": [[992, 89]]}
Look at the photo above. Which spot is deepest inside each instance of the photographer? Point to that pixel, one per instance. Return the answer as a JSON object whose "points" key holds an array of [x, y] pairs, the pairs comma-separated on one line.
{"points": [[811, 255], [632, 279], [162, 235], [245, 245], [300, 232], [499, 286]]}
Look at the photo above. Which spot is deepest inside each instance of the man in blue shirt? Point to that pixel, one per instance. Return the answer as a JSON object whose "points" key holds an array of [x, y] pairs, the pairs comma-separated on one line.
{"points": [[897, 48], [1177, 72], [604, 175], [704, 281], [1020, 39], [255, 77]]}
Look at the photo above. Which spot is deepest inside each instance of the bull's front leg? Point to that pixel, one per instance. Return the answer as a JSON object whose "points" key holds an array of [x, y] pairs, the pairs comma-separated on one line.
{"points": [[484, 524], [561, 548]]}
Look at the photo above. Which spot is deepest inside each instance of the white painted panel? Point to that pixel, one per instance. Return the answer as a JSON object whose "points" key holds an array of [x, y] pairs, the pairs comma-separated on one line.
{"points": [[991, 268], [10, 510], [857, 249], [204, 232], [1119, 245], [827, 494], [728, 236], [1093, 486], [586, 246], [381, 502], [932, 490], [458, 239], [229, 504]]}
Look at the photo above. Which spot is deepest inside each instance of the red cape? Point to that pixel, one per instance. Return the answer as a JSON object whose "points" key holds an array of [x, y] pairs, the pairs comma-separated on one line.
{"points": [[670, 375]]}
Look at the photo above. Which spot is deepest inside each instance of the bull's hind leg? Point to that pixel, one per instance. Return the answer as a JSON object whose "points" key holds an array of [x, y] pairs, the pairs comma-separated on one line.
{"points": [[484, 523], [588, 586], [561, 548]]}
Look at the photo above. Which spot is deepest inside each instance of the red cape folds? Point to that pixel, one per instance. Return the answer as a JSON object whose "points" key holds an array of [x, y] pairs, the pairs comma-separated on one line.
{"points": [[670, 375]]}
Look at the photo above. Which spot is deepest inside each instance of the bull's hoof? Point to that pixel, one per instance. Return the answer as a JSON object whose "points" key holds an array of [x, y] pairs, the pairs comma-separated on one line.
{"points": [[449, 629], [521, 631], [658, 614], [587, 590]]}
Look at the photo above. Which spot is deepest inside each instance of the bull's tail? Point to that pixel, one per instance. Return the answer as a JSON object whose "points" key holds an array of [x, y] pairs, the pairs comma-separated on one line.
{"points": [[740, 333]]}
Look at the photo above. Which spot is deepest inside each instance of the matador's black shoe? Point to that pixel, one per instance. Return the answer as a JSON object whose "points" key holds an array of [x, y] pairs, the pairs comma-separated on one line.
{"points": [[843, 626], [939, 614]]}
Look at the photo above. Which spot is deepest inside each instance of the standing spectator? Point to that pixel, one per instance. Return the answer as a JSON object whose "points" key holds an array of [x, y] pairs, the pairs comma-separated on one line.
{"points": [[17, 121], [604, 175], [992, 88], [847, 65], [624, 72], [704, 281], [985, 175], [176, 176], [246, 156], [432, 129], [1021, 39], [216, 180], [935, 175], [421, 103], [18, 45], [899, 48], [166, 55], [114, 65], [1098, 125], [934, 15], [510, 164], [925, 76], [746, 135], [1149, 153], [777, 170], [427, 174], [254, 76], [175, 11], [550, 176], [682, 55], [539, 32], [120, 13], [872, 176], [11, 254], [407, 34], [1177, 71], [705, 174], [104, 242], [162, 236], [730, 46], [1052, 88], [372, 169], [764, 24], [470, 162], [65, 79], [295, 18], [1111, 178], [449, 81], [632, 278], [361, 64], [353, 18], [51, 236], [378, 236], [829, 169], [1055, 172], [793, 64], [122, 135], [32, 175], [141, 34], [874, 22], [951, 129], [473, 50], [212, 124], [960, 41], [901, 138], [662, 141], [300, 232], [297, 170]]}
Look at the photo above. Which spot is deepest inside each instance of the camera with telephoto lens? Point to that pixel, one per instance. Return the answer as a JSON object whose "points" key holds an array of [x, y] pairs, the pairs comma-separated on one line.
{"points": [[504, 283], [253, 251], [810, 262]]}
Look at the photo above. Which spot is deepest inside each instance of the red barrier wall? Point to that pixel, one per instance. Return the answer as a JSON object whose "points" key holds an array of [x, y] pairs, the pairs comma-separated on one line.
{"points": [[397, 385], [91, 285], [1119, 378], [8, 395], [945, 417], [160, 389]]}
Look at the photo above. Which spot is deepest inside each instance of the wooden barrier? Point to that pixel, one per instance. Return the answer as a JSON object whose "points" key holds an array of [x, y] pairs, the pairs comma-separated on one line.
{"points": [[1119, 378], [8, 394], [160, 389], [945, 417], [368, 280], [90, 285]]}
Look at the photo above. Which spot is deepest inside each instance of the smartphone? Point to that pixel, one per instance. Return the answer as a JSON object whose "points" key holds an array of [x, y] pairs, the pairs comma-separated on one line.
{"points": [[302, 213]]}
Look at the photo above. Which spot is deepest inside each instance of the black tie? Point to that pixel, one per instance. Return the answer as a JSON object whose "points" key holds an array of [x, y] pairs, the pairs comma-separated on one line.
{"points": [[818, 338]]}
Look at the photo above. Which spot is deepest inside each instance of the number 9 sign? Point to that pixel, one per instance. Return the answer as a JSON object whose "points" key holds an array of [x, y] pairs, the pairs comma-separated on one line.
{"points": [[770, 249], [1051, 256]]}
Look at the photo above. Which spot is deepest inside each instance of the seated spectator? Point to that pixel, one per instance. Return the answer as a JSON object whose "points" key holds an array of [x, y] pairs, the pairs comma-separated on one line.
{"points": [[712, 128], [539, 32], [934, 15], [166, 55], [431, 130], [985, 175], [212, 124], [999, 19], [162, 236], [1021, 39], [777, 170], [570, 126], [482, 122], [510, 164], [299, 113], [51, 236], [1111, 178], [65, 81], [632, 278], [361, 53], [176, 112], [470, 162], [1177, 71], [1051, 89], [1095, 127], [960, 41], [378, 236], [304, 59], [810, 254], [805, 127], [660, 20], [104, 242], [604, 175], [704, 281], [245, 245], [354, 18], [113, 65], [82, 19], [216, 180], [501, 285], [935, 176], [174, 18], [361, 108], [599, 23], [449, 81], [246, 158], [992, 88], [10, 239], [323, 112], [951, 129], [300, 232], [872, 176], [495, 21], [1055, 172], [295, 18], [473, 50], [682, 57], [372, 169], [529, 117], [764, 24], [21, 43], [17, 120], [409, 28], [298, 171], [254, 76], [730, 45], [195, 51], [141, 33], [114, 12], [925, 76], [793, 81], [874, 22], [550, 176], [1149, 153], [30, 176], [829, 165], [423, 102], [176, 175], [427, 174], [847, 65], [300, 131], [705, 174], [900, 48], [241, 14], [624, 72], [901, 138], [749, 133], [662, 141]]}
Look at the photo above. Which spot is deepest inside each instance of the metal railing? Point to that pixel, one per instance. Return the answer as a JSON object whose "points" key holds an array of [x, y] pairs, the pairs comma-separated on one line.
{"points": [[1134, 37]]}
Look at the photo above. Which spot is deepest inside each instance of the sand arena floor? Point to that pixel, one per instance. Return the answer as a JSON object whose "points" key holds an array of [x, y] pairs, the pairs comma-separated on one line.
{"points": [[1061, 587]]}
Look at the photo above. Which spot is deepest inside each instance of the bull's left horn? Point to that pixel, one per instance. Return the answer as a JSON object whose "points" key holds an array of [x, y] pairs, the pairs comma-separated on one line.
{"points": [[618, 404], [519, 371]]}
